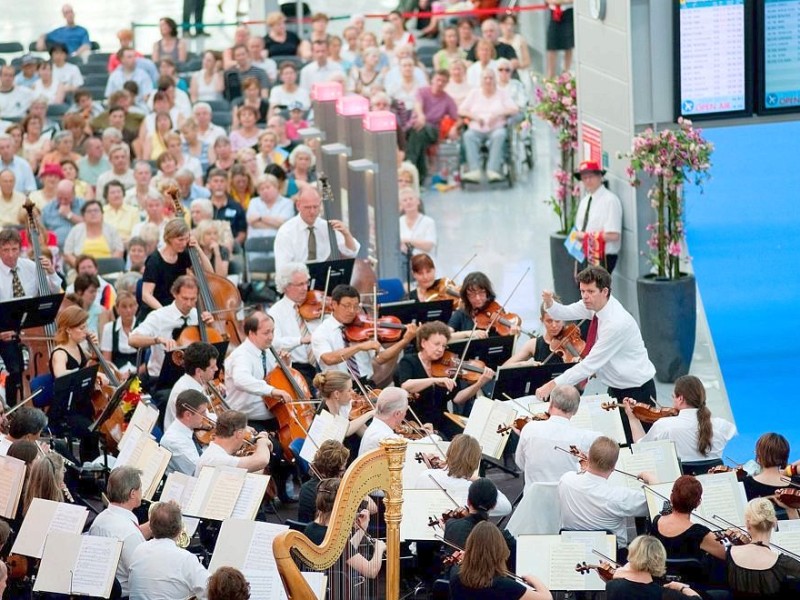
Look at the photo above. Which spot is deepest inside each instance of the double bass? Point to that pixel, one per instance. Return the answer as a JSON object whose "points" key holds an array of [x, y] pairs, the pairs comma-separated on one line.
{"points": [[218, 295]]}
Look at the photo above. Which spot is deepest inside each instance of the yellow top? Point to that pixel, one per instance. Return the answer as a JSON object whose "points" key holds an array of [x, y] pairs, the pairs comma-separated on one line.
{"points": [[10, 208], [122, 219], [97, 247]]}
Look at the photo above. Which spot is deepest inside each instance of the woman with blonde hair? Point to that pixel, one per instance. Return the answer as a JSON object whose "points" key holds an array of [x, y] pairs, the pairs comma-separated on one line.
{"points": [[240, 185], [154, 144], [46, 480], [647, 559], [302, 162], [207, 234], [483, 574], [269, 209], [463, 458], [336, 394]]}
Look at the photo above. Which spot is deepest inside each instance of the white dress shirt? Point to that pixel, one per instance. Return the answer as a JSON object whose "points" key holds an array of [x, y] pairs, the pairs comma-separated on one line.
{"points": [[328, 337], [314, 73], [682, 430], [605, 215], [377, 431], [287, 331], [160, 323], [459, 489], [618, 357], [590, 503], [536, 454], [121, 524], [291, 242], [245, 381], [215, 456], [26, 269], [162, 571], [178, 439], [186, 382]]}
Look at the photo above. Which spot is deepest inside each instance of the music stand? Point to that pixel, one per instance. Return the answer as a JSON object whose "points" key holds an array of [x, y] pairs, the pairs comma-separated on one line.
{"points": [[493, 351], [24, 313], [341, 272], [170, 372], [72, 397], [421, 312], [523, 380]]}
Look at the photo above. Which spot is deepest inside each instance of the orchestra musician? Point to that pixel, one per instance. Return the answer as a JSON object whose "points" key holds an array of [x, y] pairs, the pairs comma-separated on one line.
{"points": [[772, 455], [646, 559], [330, 461], [590, 503], [476, 293], [423, 270], [163, 326], [681, 538], [164, 266], [536, 455], [483, 571], [18, 279], [292, 331], [414, 374], [200, 366], [390, 411], [159, 569], [697, 435], [114, 339], [191, 407], [304, 237], [334, 351], [614, 351], [231, 433], [124, 493], [463, 460], [25, 423], [45, 481], [228, 583], [336, 395], [536, 350]]}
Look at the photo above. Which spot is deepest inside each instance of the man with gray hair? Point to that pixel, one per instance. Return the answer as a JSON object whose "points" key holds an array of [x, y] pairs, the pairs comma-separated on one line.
{"points": [[390, 411], [119, 155], [63, 213], [124, 492], [292, 331], [189, 190], [21, 168], [207, 131], [536, 455], [160, 570]]}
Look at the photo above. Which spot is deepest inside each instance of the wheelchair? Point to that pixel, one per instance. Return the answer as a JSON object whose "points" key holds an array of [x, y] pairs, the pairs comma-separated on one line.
{"points": [[518, 150]]}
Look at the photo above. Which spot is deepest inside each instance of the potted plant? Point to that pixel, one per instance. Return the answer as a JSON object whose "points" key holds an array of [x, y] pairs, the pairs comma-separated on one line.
{"points": [[667, 296], [556, 103]]}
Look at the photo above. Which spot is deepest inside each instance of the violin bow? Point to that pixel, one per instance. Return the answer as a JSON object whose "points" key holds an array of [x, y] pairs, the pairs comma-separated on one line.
{"points": [[464, 352], [620, 471], [11, 410], [510, 399], [325, 293], [429, 435], [691, 513], [790, 483], [507, 573], [464, 266], [375, 312], [778, 548], [508, 299], [444, 491], [608, 559]]}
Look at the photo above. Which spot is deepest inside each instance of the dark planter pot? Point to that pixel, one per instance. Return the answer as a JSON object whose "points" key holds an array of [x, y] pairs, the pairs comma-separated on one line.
{"points": [[563, 266], [668, 316]]}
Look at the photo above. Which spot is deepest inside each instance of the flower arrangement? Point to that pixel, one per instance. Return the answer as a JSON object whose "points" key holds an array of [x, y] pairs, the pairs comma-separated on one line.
{"points": [[671, 157], [557, 104], [130, 399]]}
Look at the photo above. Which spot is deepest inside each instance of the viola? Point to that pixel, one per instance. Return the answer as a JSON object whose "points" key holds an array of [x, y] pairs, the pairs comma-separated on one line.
{"points": [[604, 570], [218, 295], [644, 412], [448, 366], [432, 461], [315, 304], [444, 289], [735, 537], [294, 418], [520, 422], [492, 315], [454, 513], [741, 474], [568, 345], [388, 329], [789, 497]]}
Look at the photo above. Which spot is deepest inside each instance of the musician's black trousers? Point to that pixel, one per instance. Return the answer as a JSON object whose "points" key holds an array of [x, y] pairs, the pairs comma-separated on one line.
{"points": [[11, 353]]}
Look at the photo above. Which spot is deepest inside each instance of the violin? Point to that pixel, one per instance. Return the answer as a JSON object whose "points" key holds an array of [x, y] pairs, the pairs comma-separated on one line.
{"points": [[388, 329], [432, 461], [735, 537], [18, 567], [644, 412], [741, 474], [315, 304], [359, 405], [411, 433], [520, 422], [444, 289], [492, 315], [789, 497], [568, 345], [453, 559], [448, 365], [453, 513], [604, 570]]}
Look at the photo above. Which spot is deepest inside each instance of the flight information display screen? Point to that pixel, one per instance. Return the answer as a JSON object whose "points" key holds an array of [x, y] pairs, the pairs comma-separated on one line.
{"points": [[779, 54], [713, 50]]}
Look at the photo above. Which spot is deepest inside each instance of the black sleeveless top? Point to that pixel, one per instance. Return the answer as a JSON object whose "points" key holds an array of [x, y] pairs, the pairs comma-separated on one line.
{"points": [[684, 545], [72, 363]]}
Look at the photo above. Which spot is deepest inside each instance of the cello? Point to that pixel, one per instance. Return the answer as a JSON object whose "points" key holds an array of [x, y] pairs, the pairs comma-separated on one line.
{"points": [[40, 340], [218, 294], [101, 397], [294, 418]]}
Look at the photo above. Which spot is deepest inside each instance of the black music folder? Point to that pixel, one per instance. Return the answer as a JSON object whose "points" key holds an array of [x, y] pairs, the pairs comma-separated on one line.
{"points": [[341, 271], [72, 394], [24, 313], [421, 312], [522, 380], [493, 351]]}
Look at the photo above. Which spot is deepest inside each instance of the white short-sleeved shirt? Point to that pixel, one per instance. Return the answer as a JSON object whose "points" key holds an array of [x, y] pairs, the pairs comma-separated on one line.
{"points": [[682, 430], [215, 456], [424, 228], [605, 214]]}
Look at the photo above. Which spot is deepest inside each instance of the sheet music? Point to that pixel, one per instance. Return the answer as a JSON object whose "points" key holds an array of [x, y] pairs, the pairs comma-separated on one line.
{"points": [[418, 507], [264, 584], [484, 419], [178, 488], [325, 426], [788, 540], [563, 558], [633, 464], [608, 422], [215, 494], [250, 496], [93, 569], [668, 468], [64, 518], [153, 463], [12, 476], [553, 558], [412, 468], [132, 450], [144, 418], [724, 496], [44, 517], [256, 557]]}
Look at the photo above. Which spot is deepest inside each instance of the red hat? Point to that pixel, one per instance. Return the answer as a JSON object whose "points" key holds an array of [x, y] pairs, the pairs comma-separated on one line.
{"points": [[589, 166], [52, 169]]}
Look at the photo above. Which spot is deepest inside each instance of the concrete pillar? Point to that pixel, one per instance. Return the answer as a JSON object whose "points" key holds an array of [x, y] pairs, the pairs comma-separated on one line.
{"points": [[323, 103]]}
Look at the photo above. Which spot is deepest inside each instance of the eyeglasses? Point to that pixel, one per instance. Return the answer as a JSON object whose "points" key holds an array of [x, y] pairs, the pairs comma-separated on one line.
{"points": [[504, 69]]}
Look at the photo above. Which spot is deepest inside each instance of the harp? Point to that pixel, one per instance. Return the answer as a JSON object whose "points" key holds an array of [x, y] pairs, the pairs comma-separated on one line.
{"points": [[381, 469]]}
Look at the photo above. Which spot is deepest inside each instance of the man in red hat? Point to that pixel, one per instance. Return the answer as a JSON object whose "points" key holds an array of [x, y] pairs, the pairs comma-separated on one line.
{"points": [[599, 218]]}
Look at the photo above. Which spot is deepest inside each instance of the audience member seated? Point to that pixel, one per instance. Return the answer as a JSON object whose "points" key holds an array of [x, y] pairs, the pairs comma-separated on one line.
{"points": [[225, 207], [154, 215], [189, 190], [63, 144], [288, 92], [28, 75], [269, 209], [321, 69], [240, 185], [14, 99], [394, 74], [279, 41], [11, 201], [302, 162], [169, 44], [195, 148], [246, 136], [260, 59], [486, 59], [207, 131], [207, 84], [61, 215], [450, 51], [367, 78], [241, 70], [128, 70], [269, 153], [512, 87], [142, 176], [252, 97], [92, 236], [64, 73], [71, 173], [24, 180], [47, 86], [277, 124], [35, 145], [490, 32], [119, 156], [74, 37]]}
